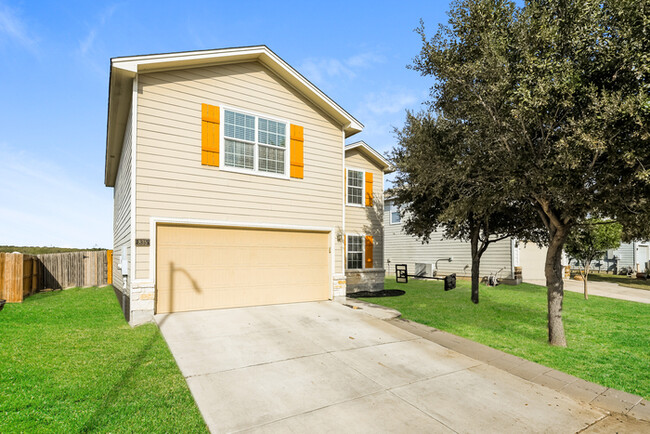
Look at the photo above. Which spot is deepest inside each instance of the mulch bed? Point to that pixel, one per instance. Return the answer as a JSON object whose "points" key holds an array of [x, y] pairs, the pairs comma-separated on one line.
{"points": [[382, 293]]}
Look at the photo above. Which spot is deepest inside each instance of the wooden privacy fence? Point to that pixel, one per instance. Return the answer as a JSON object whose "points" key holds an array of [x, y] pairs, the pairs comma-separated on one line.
{"points": [[23, 275]]}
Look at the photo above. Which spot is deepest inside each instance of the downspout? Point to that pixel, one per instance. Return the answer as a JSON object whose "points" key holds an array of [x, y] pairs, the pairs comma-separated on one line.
{"points": [[512, 258], [344, 174]]}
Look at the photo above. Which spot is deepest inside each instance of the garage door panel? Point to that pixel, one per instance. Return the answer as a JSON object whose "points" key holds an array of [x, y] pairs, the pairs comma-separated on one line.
{"points": [[207, 267]]}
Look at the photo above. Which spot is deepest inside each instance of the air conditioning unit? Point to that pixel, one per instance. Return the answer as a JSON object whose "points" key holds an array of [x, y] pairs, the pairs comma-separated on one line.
{"points": [[424, 270]]}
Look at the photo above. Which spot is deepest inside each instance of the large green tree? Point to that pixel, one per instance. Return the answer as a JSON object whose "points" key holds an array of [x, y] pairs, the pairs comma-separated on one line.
{"points": [[590, 241], [440, 184], [556, 95]]}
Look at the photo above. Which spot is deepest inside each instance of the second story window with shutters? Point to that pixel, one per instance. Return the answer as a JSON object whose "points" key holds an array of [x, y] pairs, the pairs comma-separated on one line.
{"points": [[355, 187], [254, 143], [241, 141]]}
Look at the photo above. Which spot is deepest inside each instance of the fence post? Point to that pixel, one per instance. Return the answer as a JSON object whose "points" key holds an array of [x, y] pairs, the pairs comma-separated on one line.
{"points": [[12, 281], [2, 276], [26, 281], [109, 267]]}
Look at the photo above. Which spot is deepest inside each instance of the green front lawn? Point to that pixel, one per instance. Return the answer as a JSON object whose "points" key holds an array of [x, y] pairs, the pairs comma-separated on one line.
{"points": [[70, 363], [608, 340], [621, 280]]}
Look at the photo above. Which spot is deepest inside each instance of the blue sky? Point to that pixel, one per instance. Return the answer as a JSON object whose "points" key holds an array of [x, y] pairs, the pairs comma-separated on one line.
{"points": [[54, 67]]}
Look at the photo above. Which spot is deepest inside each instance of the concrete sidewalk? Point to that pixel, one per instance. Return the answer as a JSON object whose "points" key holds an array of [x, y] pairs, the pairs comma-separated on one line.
{"points": [[604, 289], [628, 409], [326, 367]]}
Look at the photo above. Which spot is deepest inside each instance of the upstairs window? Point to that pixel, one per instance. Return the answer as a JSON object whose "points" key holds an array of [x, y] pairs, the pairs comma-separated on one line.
{"points": [[355, 187], [395, 217], [254, 143]]}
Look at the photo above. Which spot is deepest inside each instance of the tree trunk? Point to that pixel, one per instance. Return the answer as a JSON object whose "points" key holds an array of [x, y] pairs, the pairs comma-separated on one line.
{"points": [[585, 279], [555, 286], [476, 261]]}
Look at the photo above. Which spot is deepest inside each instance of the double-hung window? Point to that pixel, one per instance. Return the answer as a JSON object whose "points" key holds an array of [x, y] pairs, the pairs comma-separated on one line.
{"points": [[355, 251], [355, 187], [254, 143], [395, 217]]}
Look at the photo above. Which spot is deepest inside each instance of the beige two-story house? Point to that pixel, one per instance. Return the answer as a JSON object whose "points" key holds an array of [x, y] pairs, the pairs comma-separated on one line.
{"points": [[230, 184], [364, 229]]}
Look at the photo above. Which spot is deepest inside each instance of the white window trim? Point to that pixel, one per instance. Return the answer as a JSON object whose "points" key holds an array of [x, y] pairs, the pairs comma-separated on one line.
{"points": [[255, 170], [363, 187], [363, 250], [393, 208]]}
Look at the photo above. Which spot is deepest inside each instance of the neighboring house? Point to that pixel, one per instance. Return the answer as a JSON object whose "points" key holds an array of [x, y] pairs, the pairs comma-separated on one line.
{"points": [[401, 248], [364, 234], [499, 259], [228, 186], [633, 256], [630, 255]]}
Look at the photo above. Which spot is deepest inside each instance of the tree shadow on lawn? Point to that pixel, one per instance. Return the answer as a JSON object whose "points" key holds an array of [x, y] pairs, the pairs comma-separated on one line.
{"points": [[140, 358], [125, 380]]}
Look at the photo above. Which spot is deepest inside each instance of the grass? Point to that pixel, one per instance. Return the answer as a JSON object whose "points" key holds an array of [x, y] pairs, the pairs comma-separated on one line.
{"points": [[621, 280], [70, 363], [608, 340]]}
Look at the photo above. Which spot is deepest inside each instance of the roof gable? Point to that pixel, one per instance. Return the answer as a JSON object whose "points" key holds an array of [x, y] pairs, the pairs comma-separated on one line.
{"points": [[371, 154], [124, 70]]}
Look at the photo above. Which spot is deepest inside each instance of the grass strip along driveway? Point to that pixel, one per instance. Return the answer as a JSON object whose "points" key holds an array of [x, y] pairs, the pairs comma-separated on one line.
{"points": [[70, 363], [608, 340]]}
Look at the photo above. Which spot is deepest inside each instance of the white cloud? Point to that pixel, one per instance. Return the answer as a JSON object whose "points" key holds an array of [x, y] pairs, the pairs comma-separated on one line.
{"points": [[13, 28], [320, 69], [44, 204], [365, 60], [87, 43], [388, 102]]}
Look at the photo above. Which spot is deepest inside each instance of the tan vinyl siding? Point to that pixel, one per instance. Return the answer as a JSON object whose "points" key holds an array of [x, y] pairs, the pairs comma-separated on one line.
{"points": [[401, 248], [367, 220], [122, 208], [172, 183]]}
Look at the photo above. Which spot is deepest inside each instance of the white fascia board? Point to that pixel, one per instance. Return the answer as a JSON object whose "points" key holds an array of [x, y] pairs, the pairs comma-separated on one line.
{"points": [[163, 61]]}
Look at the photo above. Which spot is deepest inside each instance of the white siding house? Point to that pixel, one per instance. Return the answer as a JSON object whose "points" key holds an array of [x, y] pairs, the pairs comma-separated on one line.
{"points": [[401, 248]]}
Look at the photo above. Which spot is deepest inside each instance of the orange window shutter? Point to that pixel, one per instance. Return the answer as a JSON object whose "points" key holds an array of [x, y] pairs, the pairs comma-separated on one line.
{"points": [[368, 188], [369, 249], [297, 164], [210, 118]]}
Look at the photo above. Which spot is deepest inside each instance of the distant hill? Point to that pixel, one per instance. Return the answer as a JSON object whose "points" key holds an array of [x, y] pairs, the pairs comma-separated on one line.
{"points": [[39, 250]]}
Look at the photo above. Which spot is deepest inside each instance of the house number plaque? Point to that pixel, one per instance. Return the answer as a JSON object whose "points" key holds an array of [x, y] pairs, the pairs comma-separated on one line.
{"points": [[142, 242]]}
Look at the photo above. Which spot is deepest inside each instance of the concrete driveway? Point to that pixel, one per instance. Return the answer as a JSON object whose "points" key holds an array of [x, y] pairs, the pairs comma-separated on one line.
{"points": [[324, 367]]}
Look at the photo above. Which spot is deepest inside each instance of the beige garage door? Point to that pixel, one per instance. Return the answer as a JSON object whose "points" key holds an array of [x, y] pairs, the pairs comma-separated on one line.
{"points": [[207, 268]]}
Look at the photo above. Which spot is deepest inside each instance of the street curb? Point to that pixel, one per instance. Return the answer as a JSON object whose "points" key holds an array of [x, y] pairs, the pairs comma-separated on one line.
{"points": [[608, 399]]}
